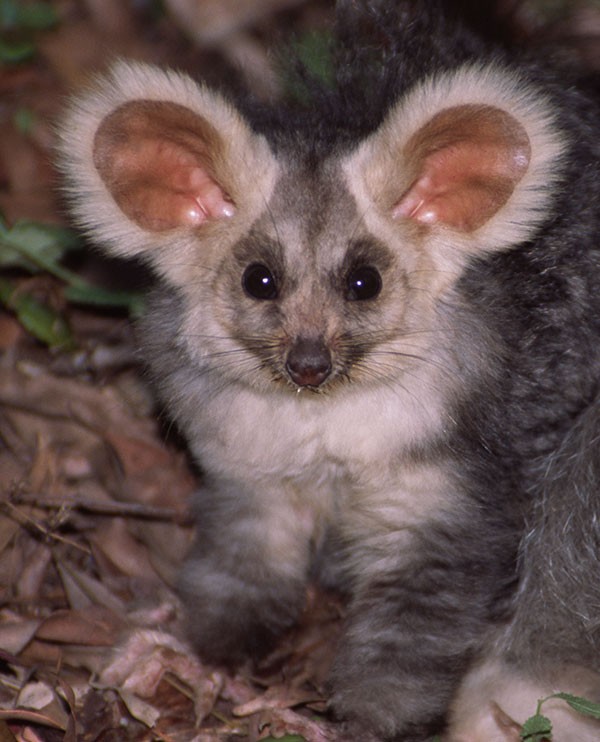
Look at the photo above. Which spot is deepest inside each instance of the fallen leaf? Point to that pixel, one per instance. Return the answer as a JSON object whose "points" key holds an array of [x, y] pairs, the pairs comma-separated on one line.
{"points": [[34, 572], [15, 635], [139, 709], [285, 721], [277, 697], [33, 717], [146, 656], [94, 626], [117, 544]]}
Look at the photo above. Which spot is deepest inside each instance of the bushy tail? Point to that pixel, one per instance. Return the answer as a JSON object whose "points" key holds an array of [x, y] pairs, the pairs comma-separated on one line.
{"points": [[558, 609]]}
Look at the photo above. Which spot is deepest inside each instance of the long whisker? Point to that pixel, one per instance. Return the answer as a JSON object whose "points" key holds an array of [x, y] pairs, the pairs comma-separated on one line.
{"points": [[393, 383], [381, 356]]}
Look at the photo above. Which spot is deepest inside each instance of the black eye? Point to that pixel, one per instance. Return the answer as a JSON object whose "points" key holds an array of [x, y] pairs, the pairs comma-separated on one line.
{"points": [[363, 282], [259, 283]]}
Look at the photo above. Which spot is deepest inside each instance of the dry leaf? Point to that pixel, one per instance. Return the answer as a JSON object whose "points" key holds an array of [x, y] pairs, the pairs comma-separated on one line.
{"points": [[83, 590], [286, 721], [15, 635], [139, 709], [33, 717], [117, 544], [41, 697], [142, 661], [34, 571], [277, 697], [8, 528], [94, 626]]}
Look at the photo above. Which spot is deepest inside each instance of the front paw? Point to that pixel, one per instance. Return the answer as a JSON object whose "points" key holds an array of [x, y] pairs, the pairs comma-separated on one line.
{"points": [[230, 618], [377, 710], [377, 700]]}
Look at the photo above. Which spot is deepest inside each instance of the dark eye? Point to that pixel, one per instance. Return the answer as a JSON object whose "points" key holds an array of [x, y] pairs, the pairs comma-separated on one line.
{"points": [[259, 283], [363, 282]]}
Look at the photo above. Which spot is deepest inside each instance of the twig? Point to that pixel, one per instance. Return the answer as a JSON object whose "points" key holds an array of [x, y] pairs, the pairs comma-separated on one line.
{"points": [[115, 509], [28, 522]]}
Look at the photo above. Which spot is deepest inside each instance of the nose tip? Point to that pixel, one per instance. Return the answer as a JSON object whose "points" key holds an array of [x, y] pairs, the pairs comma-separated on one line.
{"points": [[308, 362]]}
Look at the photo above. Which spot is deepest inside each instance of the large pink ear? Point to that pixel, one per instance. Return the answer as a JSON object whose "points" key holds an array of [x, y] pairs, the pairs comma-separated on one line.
{"points": [[465, 164], [160, 162]]}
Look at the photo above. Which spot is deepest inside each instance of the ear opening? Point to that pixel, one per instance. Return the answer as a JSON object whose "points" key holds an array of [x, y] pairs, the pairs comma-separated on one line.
{"points": [[468, 160], [159, 161]]}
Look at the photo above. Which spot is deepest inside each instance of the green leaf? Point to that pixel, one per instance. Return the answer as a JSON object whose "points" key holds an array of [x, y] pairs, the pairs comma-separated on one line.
{"points": [[12, 52], [34, 246], [581, 705], [99, 297], [24, 120], [35, 16], [9, 11], [537, 728], [38, 319], [314, 51]]}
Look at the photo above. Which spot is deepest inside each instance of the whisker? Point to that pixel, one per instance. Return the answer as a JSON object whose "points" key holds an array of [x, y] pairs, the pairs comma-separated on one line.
{"points": [[415, 357], [393, 384]]}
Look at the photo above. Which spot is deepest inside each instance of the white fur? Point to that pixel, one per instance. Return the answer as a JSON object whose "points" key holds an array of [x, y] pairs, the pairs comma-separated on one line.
{"points": [[325, 458]]}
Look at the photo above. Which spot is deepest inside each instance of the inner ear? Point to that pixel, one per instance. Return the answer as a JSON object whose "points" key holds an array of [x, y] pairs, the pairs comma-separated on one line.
{"points": [[160, 162], [467, 162]]}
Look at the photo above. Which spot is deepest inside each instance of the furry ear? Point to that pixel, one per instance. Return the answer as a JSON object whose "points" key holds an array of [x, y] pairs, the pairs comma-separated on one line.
{"points": [[472, 156], [468, 161], [156, 165], [160, 163]]}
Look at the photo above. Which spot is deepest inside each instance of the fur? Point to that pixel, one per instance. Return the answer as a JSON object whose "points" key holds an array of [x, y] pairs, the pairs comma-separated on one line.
{"points": [[377, 326]]}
